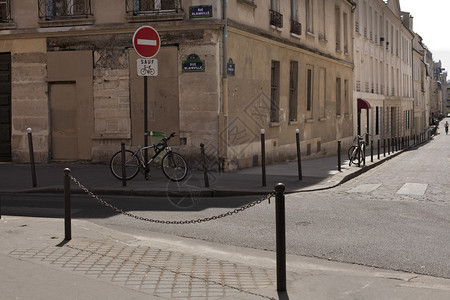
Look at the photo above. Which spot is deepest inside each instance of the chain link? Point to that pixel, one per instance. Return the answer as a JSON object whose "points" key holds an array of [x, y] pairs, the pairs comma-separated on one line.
{"points": [[194, 221]]}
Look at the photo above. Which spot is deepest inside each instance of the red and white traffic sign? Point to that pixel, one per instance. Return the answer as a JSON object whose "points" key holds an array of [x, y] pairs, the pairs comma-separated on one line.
{"points": [[146, 41]]}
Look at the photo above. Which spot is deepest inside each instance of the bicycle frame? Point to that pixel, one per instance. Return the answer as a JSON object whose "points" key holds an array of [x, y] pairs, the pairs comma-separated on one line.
{"points": [[139, 153]]}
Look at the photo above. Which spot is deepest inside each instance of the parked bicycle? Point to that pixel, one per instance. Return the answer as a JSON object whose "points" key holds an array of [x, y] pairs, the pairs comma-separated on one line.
{"points": [[357, 151], [173, 165]]}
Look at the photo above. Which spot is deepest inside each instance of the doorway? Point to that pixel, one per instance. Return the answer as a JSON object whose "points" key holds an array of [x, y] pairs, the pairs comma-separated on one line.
{"points": [[5, 106]]}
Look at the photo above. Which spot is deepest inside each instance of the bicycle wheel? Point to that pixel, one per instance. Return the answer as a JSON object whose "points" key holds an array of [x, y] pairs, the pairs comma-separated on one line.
{"points": [[131, 165], [350, 151], [174, 166], [354, 156]]}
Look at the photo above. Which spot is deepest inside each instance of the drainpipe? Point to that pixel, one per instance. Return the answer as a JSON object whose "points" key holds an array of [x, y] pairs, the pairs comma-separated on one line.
{"points": [[223, 115]]}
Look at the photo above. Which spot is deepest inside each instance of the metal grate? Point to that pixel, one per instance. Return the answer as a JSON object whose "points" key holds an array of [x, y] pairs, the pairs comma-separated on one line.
{"points": [[54, 9], [139, 7], [296, 27], [276, 19]]}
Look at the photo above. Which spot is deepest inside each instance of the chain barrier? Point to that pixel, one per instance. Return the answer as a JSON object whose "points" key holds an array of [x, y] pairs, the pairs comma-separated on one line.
{"points": [[194, 221]]}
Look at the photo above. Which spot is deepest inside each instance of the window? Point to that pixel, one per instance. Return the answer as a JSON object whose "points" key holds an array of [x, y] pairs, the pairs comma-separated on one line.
{"points": [[377, 120], [293, 90], [309, 89], [51, 9], [296, 27], [337, 19], [346, 97], [138, 7], [5, 10], [345, 34], [338, 97], [309, 16], [322, 92], [275, 92], [323, 19]]}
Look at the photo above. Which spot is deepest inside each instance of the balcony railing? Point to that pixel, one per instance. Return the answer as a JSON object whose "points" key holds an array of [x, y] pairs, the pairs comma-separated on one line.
{"points": [[276, 19], [296, 27], [57, 9], [5, 11], [139, 7]]}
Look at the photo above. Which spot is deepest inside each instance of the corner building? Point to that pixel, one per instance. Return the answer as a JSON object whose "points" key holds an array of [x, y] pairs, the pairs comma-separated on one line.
{"points": [[226, 70]]}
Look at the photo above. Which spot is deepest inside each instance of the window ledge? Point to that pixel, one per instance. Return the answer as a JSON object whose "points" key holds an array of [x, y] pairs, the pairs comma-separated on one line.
{"points": [[311, 34], [293, 122], [274, 124], [296, 36], [279, 29], [309, 120], [323, 119], [7, 26], [339, 116], [155, 17], [66, 22]]}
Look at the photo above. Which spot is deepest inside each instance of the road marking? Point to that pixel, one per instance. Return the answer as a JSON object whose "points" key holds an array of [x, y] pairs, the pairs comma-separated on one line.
{"points": [[413, 189], [365, 188], [146, 42]]}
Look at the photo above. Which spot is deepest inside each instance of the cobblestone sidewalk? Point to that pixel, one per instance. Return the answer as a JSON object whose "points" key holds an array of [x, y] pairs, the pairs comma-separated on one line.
{"points": [[162, 273]]}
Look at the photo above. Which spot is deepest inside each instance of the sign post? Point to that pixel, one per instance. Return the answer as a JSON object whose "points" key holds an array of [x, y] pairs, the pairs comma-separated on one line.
{"points": [[146, 43]]}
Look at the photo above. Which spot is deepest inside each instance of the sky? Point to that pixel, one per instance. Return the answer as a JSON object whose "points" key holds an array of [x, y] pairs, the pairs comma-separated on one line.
{"points": [[430, 22]]}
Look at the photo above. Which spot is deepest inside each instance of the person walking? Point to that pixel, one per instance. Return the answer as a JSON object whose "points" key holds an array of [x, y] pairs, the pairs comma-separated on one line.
{"points": [[446, 127]]}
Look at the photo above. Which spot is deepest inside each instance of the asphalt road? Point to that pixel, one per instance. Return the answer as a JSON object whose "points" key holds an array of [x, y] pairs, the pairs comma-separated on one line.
{"points": [[396, 216]]}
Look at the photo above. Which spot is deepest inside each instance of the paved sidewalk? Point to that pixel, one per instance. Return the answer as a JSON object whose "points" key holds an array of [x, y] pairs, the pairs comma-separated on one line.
{"points": [[100, 263], [318, 173]]}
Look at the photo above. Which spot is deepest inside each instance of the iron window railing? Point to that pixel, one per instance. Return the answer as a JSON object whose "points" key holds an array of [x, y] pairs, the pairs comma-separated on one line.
{"points": [[296, 27], [5, 11], [138, 7], [54, 9], [276, 19]]}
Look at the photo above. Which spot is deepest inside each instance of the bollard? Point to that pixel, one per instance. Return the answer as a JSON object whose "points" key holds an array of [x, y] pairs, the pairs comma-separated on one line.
{"points": [[263, 157], [378, 149], [67, 211], [339, 156], [384, 147], [33, 167], [281, 236], [124, 170], [371, 150], [359, 153], [205, 166], [389, 146], [299, 159], [364, 153]]}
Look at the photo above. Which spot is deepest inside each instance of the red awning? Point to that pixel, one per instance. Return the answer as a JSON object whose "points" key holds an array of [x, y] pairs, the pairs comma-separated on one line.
{"points": [[363, 104]]}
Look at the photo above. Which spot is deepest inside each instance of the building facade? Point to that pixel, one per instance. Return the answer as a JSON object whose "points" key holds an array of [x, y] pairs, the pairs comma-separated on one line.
{"points": [[226, 70], [383, 92]]}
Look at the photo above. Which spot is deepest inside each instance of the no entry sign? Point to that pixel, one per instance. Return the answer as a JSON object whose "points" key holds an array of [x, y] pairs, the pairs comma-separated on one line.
{"points": [[146, 41]]}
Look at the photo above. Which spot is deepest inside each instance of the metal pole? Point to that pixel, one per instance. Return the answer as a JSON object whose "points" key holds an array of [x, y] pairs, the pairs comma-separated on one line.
{"points": [[124, 169], [371, 150], [33, 167], [378, 149], [263, 157], [205, 167], [146, 122], [384, 147], [67, 211], [281, 236], [389, 146], [359, 152], [299, 159], [339, 156]]}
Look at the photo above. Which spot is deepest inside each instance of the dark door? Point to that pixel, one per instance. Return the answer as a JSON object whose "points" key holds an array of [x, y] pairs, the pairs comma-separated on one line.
{"points": [[5, 106]]}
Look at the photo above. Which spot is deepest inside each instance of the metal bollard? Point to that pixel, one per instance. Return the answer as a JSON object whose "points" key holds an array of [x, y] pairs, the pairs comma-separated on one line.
{"points": [[67, 210], [205, 166], [371, 150], [33, 167], [378, 149], [359, 153], [124, 170], [389, 146], [281, 236], [263, 157], [299, 159], [384, 147], [339, 156]]}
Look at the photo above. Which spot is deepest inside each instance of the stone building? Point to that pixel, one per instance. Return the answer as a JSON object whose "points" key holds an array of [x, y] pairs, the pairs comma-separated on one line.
{"points": [[226, 70], [383, 94]]}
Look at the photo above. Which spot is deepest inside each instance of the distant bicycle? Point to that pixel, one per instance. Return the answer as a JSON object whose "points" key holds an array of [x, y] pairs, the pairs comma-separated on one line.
{"points": [[357, 152], [173, 165]]}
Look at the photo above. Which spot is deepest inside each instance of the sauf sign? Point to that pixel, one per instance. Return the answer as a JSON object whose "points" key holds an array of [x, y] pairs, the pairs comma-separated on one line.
{"points": [[146, 43]]}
